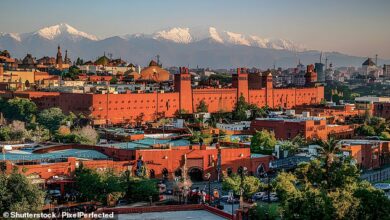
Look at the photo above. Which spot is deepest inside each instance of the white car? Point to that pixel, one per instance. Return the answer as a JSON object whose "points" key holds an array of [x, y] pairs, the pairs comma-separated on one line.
{"points": [[382, 186]]}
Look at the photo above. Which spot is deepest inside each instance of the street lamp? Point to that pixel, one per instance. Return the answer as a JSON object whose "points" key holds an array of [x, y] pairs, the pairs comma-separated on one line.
{"points": [[207, 176], [231, 197]]}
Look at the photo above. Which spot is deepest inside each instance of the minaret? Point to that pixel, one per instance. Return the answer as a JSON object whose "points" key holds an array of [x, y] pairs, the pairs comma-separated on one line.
{"points": [[59, 58], [66, 56]]}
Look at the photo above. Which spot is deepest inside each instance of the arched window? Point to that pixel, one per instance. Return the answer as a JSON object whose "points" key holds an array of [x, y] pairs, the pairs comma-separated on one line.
{"points": [[165, 173], [229, 171], [178, 173], [260, 170], [152, 174]]}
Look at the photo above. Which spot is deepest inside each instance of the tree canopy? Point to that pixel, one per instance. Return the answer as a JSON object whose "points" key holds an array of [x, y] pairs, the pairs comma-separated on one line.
{"points": [[51, 118], [328, 188], [18, 109], [202, 107], [240, 110], [263, 141], [18, 194]]}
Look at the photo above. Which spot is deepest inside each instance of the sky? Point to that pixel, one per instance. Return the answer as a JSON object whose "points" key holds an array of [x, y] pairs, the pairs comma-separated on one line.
{"points": [[355, 27]]}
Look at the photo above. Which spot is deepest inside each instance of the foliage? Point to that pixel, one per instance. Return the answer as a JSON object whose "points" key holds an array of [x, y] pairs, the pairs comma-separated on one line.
{"points": [[232, 182], [39, 134], [239, 112], [265, 210], [86, 135], [289, 146], [51, 118], [249, 184], [329, 188], [79, 61], [72, 73], [263, 140], [202, 107], [18, 194], [197, 136], [257, 112], [139, 189], [96, 186], [385, 135], [365, 130], [18, 109], [15, 131], [113, 80]]}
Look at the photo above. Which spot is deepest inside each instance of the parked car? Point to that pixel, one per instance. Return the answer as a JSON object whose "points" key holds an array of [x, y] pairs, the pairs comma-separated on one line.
{"points": [[224, 198], [258, 196], [383, 186], [121, 202]]}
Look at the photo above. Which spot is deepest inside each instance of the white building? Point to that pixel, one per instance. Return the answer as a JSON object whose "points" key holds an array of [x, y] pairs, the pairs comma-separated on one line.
{"points": [[237, 126]]}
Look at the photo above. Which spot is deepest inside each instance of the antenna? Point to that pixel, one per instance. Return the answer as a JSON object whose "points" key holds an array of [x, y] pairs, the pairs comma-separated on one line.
{"points": [[158, 59], [326, 62], [321, 57], [376, 59]]}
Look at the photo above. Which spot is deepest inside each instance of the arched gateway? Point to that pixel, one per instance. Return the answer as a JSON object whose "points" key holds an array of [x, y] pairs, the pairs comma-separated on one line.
{"points": [[196, 174]]}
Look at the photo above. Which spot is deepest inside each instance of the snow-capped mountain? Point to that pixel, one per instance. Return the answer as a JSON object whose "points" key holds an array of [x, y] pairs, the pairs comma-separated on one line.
{"points": [[207, 47], [63, 30], [191, 35], [56, 32], [14, 36]]}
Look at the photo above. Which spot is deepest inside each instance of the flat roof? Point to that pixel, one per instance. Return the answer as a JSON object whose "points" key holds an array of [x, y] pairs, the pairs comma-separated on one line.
{"points": [[298, 119], [26, 154], [195, 214], [372, 99]]}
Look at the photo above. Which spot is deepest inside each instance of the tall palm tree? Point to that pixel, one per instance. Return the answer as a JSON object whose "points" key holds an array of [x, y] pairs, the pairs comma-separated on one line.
{"points": [[328, 149]]}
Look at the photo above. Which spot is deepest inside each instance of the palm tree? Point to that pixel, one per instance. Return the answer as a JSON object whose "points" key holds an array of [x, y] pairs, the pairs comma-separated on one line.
{"points": [[328, 149]]}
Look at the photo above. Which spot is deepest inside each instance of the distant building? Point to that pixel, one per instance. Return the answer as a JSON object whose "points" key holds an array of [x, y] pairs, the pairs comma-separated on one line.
{"points": [[370, 68], [368, 154], [386, 71], [319, 68], [310, 128], [234, 127]]}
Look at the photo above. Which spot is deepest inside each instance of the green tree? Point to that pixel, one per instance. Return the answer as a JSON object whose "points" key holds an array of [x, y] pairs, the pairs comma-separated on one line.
{"points": [[240, 110], [249, 184], [96, 186], [202, 107], [263, 141], [113, 80], [72, 73], [18, 194], [328, 149], [19, 109], [385, 135], [5, 133], [51, 118], [290, 146], [257, 112], [365, 130], [79, 61], [86, 135], [319, 190], [373, 203], [139, 189]]}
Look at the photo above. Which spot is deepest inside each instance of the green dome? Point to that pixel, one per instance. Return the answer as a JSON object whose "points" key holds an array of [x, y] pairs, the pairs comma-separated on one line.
{"points": [[102, 61]]}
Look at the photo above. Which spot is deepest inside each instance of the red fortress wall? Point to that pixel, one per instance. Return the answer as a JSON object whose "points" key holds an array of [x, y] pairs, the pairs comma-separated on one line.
{"points": [[133, 107]]}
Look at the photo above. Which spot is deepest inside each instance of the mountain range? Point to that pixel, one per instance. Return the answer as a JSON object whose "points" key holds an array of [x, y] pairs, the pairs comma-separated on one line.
{"points": [[178, 46]]}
